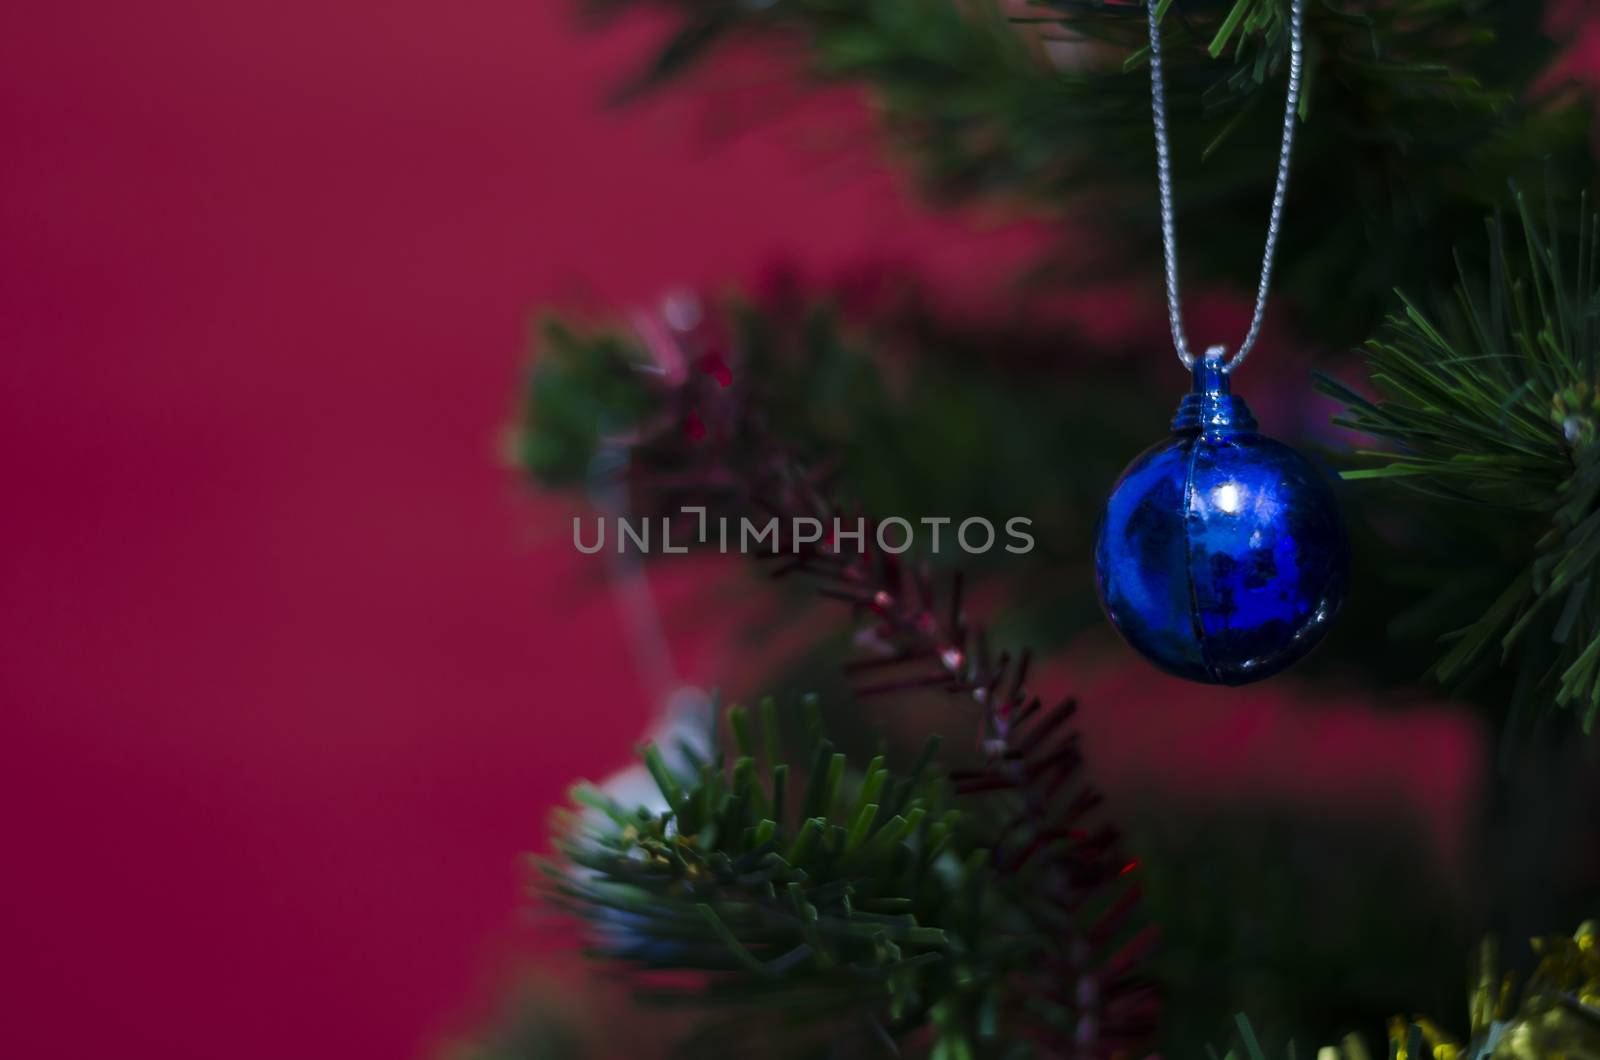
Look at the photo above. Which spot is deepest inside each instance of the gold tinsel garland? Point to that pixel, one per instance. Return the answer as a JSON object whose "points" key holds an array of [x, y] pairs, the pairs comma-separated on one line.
{"points": [[1558, 1017]]}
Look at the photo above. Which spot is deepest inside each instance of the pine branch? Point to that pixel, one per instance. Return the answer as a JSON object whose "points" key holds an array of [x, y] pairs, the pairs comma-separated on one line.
{"points": [[866, 900], [1495, 401], [857, 901], [897, 401], [1416, 113], [1086, 991]]}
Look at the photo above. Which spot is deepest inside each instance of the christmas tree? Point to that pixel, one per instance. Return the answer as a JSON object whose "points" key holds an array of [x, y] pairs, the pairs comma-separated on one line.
{"points": [[887, 837]]}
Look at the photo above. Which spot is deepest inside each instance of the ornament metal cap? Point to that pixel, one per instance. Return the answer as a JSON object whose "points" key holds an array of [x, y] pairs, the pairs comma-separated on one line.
{"points": [[1209, 408]]}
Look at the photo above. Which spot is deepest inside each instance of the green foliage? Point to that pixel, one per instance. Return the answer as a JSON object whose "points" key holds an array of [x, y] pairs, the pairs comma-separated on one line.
{"points": [[1494, 401], [581, 389], [845, 904], [1416, 114], [913, 418]]}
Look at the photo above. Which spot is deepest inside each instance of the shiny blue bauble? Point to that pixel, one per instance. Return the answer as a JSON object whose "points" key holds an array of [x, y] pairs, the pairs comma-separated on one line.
{"points": [[1221, 556]]}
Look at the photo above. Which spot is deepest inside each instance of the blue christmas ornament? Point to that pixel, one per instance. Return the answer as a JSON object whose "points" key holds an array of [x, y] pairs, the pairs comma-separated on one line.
{"points": [[1221, 556]]}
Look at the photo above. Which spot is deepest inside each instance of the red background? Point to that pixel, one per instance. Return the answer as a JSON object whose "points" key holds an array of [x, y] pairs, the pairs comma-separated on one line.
{"points": [[291, 668]]}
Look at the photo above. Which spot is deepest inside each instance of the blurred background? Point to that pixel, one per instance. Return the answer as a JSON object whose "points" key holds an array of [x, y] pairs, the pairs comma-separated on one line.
{"points": [[293, 664]]}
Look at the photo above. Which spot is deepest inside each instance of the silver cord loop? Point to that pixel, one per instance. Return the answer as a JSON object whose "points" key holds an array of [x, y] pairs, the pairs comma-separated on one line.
{"points": [[1169, 237]]}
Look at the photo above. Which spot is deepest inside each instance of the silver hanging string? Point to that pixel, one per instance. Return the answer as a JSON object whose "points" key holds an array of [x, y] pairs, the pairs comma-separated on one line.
{"points": [[1169, 238]]}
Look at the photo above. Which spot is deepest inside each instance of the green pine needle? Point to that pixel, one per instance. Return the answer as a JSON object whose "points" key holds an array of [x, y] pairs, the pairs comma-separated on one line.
{"points": [[1494, 401], [878, 878], [1423, 110]]}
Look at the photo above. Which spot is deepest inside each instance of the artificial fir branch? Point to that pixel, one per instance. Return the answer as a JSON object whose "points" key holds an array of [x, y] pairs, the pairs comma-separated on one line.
{"points": [[1494, 401], [894, 392], [859, 898], [864, 903], [1086, 994], [1416, 113]]}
